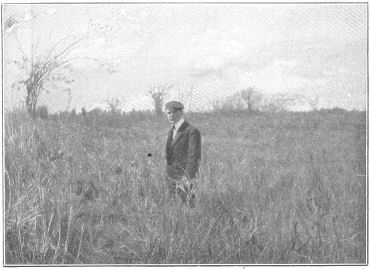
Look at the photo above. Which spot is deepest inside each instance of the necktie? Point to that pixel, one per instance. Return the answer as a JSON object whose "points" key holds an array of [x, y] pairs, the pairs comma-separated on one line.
{"points": [[172, 130]]}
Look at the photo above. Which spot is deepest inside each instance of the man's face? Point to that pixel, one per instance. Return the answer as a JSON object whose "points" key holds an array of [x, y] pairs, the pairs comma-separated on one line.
{"points": [[173, 115]]}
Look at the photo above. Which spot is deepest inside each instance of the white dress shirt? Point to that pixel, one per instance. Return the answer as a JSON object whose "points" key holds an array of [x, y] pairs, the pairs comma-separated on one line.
{"points": [[177, 126]]}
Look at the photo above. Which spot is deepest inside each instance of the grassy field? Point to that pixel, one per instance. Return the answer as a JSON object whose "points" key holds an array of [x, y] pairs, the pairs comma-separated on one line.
{"points": [[273, 188]]}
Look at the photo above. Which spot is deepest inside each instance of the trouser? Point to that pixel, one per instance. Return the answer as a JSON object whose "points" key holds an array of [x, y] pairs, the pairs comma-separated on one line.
{"points": [[184, 191]]}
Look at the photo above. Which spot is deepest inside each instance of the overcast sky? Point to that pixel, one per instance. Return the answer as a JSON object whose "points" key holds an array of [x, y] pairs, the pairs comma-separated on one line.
{"points": [[218, 49]]}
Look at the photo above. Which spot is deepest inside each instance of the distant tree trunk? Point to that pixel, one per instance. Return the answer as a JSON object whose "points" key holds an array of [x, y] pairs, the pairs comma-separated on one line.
{"points": [[249, 103], [83, 112], [158, 94], [33, 92], [252, 98]]}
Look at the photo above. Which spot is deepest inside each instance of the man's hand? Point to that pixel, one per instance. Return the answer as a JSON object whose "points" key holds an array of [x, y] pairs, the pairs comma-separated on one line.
{"points": [[189, 183], [184, 180]]}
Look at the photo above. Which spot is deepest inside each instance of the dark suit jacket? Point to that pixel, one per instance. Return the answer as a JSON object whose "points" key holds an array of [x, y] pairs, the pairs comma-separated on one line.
{"points": [[183, 152]]}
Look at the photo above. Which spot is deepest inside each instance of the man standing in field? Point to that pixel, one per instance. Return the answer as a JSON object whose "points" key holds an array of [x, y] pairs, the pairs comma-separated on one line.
{"points": [[183, 153]]}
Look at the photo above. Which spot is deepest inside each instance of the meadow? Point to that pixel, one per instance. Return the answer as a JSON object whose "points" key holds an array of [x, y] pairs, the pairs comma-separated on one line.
{"points": [[273, 188]]}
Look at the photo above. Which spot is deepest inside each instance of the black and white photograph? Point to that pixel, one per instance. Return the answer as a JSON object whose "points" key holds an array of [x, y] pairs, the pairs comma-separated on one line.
{"points": [[184, 134]]}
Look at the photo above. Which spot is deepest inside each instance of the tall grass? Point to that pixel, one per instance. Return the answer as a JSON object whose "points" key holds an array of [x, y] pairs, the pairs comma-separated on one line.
{"points": [[273, 188]]}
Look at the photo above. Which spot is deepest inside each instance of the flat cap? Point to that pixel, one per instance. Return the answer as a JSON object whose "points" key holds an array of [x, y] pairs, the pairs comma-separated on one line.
{"points": [[174, 104]]}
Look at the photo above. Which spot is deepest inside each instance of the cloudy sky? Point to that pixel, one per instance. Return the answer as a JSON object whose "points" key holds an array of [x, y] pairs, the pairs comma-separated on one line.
{"points": [[215, 49]]}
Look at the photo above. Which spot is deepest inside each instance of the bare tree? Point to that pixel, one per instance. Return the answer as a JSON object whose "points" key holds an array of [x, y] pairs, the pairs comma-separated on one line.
{"points": [[313, 102], [158, 95], [38, 70], [45, 71], [252, 98], [114, 104], [42, 70], [279, 102]]}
